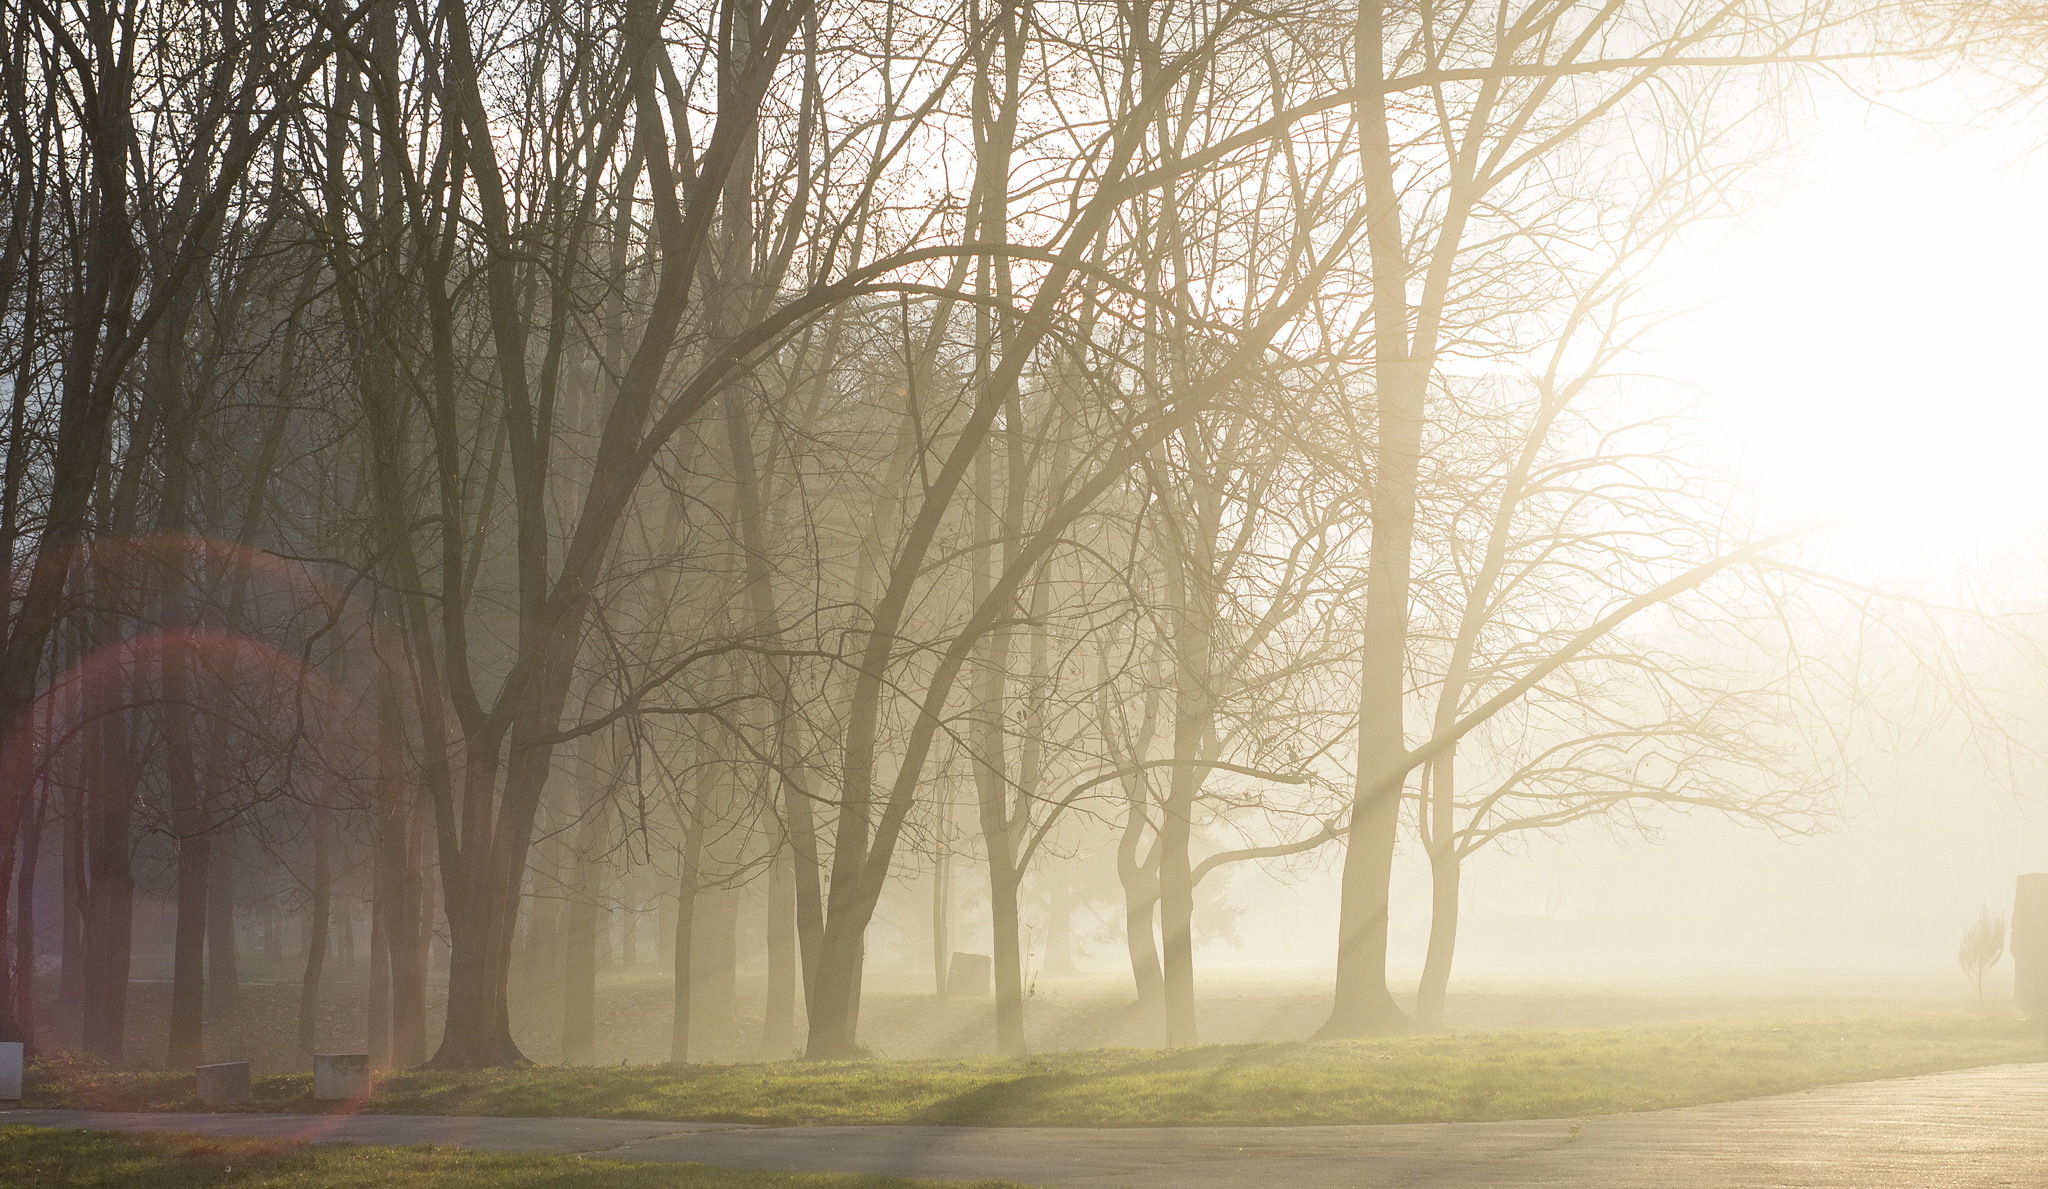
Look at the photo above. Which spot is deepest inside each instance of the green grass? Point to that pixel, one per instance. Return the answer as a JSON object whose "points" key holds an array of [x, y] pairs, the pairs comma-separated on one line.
{"points": [[39, 1158], [1447, 1076]]}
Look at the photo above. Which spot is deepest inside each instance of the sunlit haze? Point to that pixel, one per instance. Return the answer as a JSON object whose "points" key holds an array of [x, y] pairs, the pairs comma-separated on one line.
{"points": [[1045, 593]]}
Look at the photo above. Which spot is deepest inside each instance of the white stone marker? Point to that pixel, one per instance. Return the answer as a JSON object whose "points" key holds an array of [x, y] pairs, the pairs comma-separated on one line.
{"points": [[223, 1084], [341, 1077], [10, 1071]]}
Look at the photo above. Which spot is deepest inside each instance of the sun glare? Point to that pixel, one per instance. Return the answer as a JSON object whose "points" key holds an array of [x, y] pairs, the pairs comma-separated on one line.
{"points": [[1867, 345]]}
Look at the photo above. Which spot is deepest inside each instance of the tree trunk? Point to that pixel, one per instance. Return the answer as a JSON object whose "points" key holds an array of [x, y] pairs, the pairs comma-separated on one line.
{"points": [[71, 974], [1176, 926], [686, 936], [377, 1005], [1139, 942], [1009, 959], [1059, 930], [110, 782], [38, 799], [778, 1012], [316, 936], [1361, 1002], [583, 918], [188, 963], [714, 991], [223, 966], [942, 931], [1444, 876]]}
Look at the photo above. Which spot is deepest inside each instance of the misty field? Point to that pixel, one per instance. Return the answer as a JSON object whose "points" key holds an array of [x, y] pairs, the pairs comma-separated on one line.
{"points": [[35, 1158], [1441, 1077]]}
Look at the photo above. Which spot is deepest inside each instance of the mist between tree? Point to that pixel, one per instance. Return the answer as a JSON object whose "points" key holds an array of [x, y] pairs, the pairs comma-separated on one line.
{"points": [[707, 531]]}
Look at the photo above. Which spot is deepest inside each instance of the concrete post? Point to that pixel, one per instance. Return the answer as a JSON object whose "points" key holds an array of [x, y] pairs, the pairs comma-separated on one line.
{"points": [[10, 1071], [223, 1084], [341, 1077], [2029, 946], [970, 976]]}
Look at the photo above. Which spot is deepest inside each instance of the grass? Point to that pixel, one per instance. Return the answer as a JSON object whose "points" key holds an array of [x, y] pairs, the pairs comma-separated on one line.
{"points": [[1442, 1077], [39, 1158]]}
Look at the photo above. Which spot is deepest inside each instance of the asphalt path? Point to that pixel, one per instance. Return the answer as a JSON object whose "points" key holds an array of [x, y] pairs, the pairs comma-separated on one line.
{"points": [[1972, 1128]]}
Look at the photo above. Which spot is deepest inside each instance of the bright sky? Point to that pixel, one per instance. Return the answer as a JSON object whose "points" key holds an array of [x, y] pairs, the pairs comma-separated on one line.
{"points": [[1868, 344]]}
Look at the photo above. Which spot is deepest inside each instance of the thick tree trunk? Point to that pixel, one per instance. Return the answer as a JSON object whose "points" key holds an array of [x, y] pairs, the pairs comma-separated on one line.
{"points": [[834, 998], [478, 1031], [1363, 1005]]}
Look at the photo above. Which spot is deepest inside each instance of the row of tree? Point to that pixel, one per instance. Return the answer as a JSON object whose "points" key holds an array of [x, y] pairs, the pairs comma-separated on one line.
{"points": [[464, 449]]}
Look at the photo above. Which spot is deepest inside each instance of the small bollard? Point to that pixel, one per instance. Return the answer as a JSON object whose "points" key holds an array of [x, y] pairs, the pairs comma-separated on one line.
{"points": [[341, 1077], [223, 1084], [10, 1071]]}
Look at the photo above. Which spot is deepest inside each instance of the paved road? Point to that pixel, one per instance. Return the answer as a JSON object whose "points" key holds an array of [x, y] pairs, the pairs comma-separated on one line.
{"points": [[1967, 1130]]}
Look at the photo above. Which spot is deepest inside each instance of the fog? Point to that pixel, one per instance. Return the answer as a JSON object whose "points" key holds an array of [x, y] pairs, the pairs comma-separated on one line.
{"points": [[903, 529]]}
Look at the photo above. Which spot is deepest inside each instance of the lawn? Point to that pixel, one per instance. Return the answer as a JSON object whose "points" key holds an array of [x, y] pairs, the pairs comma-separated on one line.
{"points": [[38, 1158], [1442, 1077]]}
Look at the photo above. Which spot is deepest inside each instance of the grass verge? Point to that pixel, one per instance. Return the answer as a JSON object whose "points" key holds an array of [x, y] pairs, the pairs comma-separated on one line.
{"points": [[40, 1158], [1443, 1077]]}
